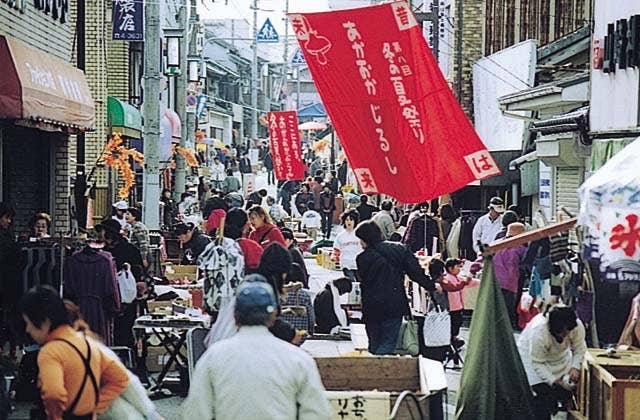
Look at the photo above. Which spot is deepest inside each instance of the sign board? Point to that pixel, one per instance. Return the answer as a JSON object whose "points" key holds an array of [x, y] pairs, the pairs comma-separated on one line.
{"points": [[127, 17], [201, 106], [267, 33], [191, 103], [192, 87], [285, 145], [298, 58], [359, 404], [253, 156]]}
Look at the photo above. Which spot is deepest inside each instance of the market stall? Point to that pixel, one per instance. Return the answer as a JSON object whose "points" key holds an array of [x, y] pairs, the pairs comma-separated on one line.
{"points": [[610, 212]]}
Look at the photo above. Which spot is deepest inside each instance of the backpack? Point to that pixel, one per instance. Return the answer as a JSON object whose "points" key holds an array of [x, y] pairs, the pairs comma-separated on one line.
{"points": [[222, 265], [127, 285]]}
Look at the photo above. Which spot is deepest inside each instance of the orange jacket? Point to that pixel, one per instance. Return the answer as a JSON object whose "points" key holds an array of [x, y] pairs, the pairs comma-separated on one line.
{"points": [[62, 371]]}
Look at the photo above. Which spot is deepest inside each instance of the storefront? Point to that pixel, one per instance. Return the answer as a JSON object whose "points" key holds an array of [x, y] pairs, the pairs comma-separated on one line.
{"points": [[43, 100]]}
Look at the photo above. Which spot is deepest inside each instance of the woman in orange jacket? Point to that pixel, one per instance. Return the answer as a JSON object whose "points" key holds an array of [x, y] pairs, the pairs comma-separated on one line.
{"points": [[76, 380]]}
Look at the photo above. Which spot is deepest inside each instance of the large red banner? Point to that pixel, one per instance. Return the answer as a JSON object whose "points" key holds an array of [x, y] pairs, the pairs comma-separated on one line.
{"points": [[285, 145], [402, 129]]}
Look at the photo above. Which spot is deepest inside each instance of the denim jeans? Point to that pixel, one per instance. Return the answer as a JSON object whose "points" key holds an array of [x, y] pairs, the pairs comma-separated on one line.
{"points": [[327, 223], [383, 335]]}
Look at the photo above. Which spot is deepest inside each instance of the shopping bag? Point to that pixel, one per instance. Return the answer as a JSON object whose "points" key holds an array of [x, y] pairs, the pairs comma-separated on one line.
{"points": [[225, 325], [127, 285], [437, 328], [408, 342]]}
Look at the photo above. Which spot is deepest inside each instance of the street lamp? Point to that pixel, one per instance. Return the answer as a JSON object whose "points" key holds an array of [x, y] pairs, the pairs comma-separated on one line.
{"points": [[173, 37], [193, 61]]}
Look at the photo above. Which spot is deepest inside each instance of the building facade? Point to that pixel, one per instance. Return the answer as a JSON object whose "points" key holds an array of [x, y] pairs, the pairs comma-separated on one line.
{"points": [[44, 101]]}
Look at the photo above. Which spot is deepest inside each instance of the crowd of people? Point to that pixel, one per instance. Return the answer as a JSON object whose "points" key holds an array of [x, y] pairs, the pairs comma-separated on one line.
{"points": [[271, 305]]}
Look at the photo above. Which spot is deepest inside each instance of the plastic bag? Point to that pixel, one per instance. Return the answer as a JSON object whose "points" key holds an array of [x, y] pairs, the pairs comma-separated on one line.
{"points": [[437, 328]]}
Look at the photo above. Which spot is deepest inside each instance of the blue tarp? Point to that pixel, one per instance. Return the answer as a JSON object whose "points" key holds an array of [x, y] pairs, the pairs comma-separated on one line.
{"points": [[312, 111]]}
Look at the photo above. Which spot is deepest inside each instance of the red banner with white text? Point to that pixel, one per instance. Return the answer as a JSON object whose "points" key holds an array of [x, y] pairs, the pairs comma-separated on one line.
{"points": [[285, 145], [402, 129]]}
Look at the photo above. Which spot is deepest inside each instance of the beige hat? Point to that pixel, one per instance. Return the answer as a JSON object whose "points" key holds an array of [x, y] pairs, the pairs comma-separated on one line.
{"points": [[515, 229]]}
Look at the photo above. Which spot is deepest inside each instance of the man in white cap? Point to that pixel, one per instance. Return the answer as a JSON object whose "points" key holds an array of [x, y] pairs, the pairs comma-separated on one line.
{"points": [[488, 226], [254, 375], [120, 208]]}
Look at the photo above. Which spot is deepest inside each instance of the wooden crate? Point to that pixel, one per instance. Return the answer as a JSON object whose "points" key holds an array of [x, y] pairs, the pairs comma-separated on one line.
{"points": [[382, 373], [392, 374], [606, 392], [182, 271]]}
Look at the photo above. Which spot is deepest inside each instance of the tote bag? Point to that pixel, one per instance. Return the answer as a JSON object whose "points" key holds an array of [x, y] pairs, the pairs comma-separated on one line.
{"points": [[408, 341], [437, 327]]}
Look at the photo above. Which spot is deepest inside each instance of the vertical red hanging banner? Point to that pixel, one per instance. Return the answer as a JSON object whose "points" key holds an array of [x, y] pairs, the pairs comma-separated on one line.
{"points": [[285, 145], [402, 129]]}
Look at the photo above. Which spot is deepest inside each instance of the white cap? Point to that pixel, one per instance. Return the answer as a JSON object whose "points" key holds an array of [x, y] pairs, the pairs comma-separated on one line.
{"points": [[121, 205]]}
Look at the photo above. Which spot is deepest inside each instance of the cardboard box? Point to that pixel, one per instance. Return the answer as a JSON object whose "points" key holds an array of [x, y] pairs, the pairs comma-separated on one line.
{"points": [[158, 357], [152, 305]]}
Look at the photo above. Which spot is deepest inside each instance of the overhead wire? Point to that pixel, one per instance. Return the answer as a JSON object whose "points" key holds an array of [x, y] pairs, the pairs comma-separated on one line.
{"points": [[475, 61], [488, 58]]}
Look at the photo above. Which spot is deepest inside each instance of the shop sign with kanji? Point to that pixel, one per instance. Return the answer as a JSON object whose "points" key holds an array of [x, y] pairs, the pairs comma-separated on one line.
{"points": [[401, 127], [127, 17]]}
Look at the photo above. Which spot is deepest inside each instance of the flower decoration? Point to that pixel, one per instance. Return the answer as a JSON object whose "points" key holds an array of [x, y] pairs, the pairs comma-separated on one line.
{"points": [[118, 157], [188, 155]]}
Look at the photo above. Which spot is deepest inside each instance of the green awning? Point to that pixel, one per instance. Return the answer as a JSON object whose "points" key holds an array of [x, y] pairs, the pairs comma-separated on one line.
{"points": [[124, 118]]}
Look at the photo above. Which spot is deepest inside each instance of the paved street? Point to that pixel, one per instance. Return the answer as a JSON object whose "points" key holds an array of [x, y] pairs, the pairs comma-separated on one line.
{"points": [[170, 407]]}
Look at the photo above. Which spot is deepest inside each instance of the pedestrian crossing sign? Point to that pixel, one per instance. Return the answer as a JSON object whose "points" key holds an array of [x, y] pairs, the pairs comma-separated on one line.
{"points": [[267, 33], [298, 58]]}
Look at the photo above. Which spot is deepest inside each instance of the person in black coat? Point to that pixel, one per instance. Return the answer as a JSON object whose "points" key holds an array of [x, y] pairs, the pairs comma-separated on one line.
{"points": [[193, 241], [245, 164], [381, 268], [123, 252], [421, 231], [326, 318], [327, 207], [268, 165], [296, 254], [365, 209]]}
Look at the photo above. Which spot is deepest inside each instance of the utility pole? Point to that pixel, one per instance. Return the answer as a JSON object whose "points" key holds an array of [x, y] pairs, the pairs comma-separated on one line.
{"points": [[80, 185], [151, 114], [190, 132], [180, 106], [253, 130], [285, 56]]}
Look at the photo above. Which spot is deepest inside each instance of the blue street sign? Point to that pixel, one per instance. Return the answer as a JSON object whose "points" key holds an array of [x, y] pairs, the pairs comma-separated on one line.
{"points": [[267, 33], [298, 58]]}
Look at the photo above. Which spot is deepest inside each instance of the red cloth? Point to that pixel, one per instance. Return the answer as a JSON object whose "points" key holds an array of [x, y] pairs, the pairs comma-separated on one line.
{"points": [[252, 252], [213, 222], [402, 129], [267, 234], [285, 145]]}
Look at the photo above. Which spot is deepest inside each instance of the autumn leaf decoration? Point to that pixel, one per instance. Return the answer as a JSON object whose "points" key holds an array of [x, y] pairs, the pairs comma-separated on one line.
{"points": [[118, 157], [188, 155]]}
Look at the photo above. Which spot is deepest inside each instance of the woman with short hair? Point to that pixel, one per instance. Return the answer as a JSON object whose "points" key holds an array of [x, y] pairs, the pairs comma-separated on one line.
{"points": [[76, 379]]}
